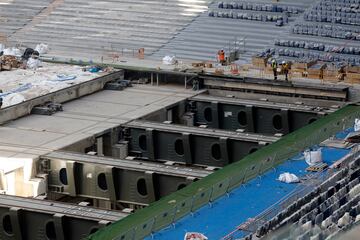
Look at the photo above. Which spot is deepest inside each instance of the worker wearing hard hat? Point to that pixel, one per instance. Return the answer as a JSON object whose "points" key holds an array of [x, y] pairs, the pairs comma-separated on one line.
{"points": [[221, 56], [285, 69], [274, 66]]}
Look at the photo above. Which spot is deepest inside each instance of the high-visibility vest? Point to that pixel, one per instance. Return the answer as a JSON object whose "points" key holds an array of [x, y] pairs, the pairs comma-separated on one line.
{"points": [[274, 65], [221, 55]]}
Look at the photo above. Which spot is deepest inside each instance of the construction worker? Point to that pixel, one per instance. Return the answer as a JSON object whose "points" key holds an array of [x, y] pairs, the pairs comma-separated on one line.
{"points": [[285, 69], [221, 56], [274, 66]]}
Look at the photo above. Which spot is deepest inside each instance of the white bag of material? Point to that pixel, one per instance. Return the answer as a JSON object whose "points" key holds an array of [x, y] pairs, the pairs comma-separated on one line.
{"points": [[313, 157], [195, 236], [169, 60], [13, 99], [357, 125], [288, 178], [33, 63], [12, 52], [42, 48]]}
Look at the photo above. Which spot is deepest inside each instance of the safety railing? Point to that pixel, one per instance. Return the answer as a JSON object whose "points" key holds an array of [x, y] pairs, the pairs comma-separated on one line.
{"points": [[186, 201]]}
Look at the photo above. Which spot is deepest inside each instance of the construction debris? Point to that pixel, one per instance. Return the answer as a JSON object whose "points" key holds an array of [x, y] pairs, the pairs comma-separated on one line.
{"points": [[33, 63], [12, 52], [319, 167], [169, 60], [357, 124], [7, 62], [42, 48], [288, 178], [313, 157], [353, 137], [195, 236]]}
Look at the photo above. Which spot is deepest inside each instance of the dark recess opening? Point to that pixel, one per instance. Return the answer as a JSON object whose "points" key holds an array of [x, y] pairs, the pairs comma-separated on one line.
{"points": [[179, 147], [141, 187], [142, 142], [277, 122], [50, 231], [7, 226], [93, 230], [208, 114], [181, 186], [252, 150], [312, 120], [63, 176], [101, 180], [242, 118], [216, 151]]}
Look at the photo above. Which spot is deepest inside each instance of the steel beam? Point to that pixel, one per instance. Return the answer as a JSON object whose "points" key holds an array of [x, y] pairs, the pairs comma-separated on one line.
{"points": [[115, 180], [254, 116], [191, 145], [25, 218], [256, 85]]}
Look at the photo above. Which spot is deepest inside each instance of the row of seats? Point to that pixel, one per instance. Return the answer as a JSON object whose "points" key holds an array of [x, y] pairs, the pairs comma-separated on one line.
{"points": [[325, 57], [318, 46], [355, 4], [341, 1], [342, 12], [248, 16], [333, 13], [334, 203], [327, 31], [327, 18], [259, 7]]}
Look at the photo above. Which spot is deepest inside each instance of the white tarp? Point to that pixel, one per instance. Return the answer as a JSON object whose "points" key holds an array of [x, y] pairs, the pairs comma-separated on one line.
{"points": [[33, 63], [288, 178], [42, 48], [357, 125], [12, 52], [13, 99], [313, 157], [169, 60], [194, 236]]}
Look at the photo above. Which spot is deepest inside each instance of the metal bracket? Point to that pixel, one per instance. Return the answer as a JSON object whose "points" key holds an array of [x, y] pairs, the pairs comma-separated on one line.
{"points": [[48, 108]]}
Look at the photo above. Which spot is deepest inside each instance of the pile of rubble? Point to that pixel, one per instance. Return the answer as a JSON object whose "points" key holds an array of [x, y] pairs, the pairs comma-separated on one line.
{"points": [[8, 62], [11, 58]]}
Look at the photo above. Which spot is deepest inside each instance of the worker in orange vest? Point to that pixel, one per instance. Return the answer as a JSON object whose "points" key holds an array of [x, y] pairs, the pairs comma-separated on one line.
{"points": [[221, 56], [285, 68]]}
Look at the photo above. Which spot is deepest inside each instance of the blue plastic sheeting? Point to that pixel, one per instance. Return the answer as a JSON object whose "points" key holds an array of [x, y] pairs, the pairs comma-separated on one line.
{"points": [[247, 201], [343, 134], [64, 77], [17, 90]]}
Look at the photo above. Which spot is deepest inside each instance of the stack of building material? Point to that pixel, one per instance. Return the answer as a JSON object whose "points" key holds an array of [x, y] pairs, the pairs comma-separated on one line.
{"points": [[352, 74], [316, 70], [8, 62], [259, 61], [333, 73], [301, 66]]}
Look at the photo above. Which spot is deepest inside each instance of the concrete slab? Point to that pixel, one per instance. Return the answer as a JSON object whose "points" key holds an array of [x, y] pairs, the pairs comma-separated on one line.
{"points": [[95, 108], [55, 124], [25, 138], [131, 97], [65, 141]]}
